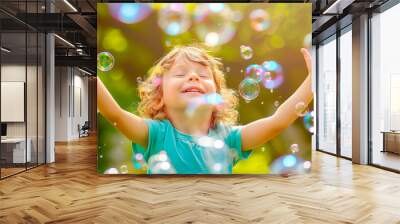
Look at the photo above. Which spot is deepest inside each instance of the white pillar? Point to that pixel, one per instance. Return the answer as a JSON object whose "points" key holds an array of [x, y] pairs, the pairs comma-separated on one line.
{"points": [[50, 92]]}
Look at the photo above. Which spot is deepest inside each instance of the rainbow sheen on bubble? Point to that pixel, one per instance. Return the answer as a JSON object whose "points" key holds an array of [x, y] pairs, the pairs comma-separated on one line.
{"points": [[160, 164], [308, 121], [105, 61], [216, 154], [249, 89], [246, 52], [214, 24], [255, 72], [259, 20], [301, 109], [129, 13], [275, 74], [174, 19]]}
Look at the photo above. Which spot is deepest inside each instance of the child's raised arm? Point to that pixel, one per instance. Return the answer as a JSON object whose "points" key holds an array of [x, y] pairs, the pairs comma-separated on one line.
{"points": [[132, 126], [260, 131]]}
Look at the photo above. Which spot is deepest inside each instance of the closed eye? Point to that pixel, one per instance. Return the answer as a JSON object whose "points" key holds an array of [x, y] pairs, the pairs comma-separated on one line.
{"points": [[204, 75]]}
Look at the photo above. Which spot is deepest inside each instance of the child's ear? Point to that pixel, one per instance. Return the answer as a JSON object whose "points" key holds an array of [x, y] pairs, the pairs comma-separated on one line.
{"points": [[156, 81]]}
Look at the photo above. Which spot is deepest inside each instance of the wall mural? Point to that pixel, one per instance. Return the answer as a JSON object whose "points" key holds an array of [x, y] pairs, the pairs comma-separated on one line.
{"points": [[204, 88]]}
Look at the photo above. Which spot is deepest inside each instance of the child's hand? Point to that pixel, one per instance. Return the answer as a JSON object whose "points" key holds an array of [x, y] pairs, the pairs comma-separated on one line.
{"points": [[307, 59], [269, 127]]}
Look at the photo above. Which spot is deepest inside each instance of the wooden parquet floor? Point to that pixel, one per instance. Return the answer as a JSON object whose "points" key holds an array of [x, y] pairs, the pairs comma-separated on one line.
{"points": [[70, 191]]}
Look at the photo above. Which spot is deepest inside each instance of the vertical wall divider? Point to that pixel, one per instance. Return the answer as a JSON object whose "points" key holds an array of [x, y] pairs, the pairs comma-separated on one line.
{"points": [[1, 164], [338, 76], [26, 88], [316, 114], [37, 89], [369, 96]]}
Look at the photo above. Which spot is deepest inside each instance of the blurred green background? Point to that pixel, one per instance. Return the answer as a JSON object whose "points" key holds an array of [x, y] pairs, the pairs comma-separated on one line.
{"points": [[137, 45]]}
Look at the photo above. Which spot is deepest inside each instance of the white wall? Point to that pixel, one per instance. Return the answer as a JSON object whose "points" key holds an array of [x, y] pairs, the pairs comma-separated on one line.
{"points": [[71, 93], [33, 127], [14, 73]]}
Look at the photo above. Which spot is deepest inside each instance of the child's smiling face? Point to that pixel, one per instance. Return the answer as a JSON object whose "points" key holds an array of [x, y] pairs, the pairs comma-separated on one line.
{"points": [[185, 80]]}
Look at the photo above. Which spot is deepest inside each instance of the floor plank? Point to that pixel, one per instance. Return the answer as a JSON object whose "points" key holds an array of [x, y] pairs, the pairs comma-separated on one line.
{"points": [[70, 191]]}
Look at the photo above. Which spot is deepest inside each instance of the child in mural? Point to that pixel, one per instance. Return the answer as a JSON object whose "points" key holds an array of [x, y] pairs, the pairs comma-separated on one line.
{"points": [[166, 129]]}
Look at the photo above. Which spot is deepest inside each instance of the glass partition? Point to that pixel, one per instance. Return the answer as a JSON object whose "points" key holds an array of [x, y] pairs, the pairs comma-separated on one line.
{"points": [[346, 93], [327, 96]]}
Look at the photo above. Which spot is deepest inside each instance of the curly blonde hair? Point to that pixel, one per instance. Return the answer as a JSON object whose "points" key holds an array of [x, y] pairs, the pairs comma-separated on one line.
{"points": [[150, 90]]}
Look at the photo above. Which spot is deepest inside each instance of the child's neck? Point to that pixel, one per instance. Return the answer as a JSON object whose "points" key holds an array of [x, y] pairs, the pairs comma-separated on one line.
{"points": [[192, 125]]}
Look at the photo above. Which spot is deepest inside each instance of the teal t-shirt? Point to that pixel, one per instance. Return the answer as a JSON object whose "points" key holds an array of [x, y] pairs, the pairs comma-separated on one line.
{"points": [[184, 152]]}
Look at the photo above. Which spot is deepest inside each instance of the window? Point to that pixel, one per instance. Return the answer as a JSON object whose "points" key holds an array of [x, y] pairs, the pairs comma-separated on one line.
{"points": [[327, 96]]}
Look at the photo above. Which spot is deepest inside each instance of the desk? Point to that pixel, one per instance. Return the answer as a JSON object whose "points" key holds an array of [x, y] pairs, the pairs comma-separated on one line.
{"points": [[16, 147], [391, 141]]}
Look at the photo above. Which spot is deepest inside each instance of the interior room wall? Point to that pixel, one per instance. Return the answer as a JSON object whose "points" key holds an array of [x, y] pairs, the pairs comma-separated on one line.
{"points": [[71, 102], [16, 73]]}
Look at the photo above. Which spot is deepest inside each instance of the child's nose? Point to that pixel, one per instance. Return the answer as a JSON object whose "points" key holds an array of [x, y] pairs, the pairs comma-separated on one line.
{"points": [[193, 76]]}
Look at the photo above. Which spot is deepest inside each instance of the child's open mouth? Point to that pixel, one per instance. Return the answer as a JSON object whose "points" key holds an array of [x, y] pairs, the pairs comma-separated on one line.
{"points": [[193, 90]]}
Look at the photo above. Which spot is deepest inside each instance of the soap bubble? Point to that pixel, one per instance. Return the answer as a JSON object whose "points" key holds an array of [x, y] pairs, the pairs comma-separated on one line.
{"points": [[129, 12], [216, 154], [197, 103], [105, 61], [307, 165], [308, 120], [249, 89], [255, 72], [167, 43], [213, 23], [137, 165], [259, 20], [307, 41], [174, 19], [246, 52], [123, 169], [160, 164], [237, 16], [139, 156], [274, 76], [111, 170], [212, 39], [294, 148], [301, 109], [287, 164]]}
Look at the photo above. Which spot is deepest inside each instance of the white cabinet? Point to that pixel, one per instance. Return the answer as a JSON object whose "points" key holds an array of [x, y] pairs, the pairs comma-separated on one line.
{"points": [[18, 149]]}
